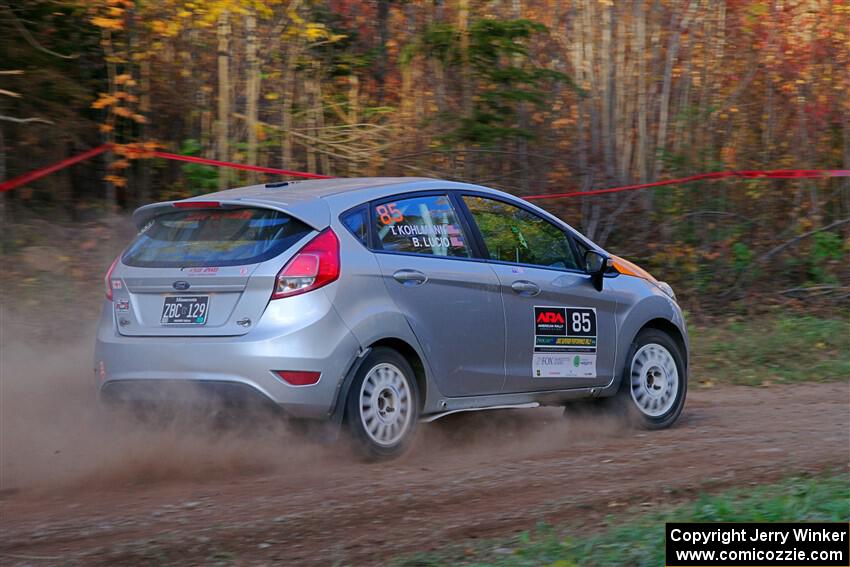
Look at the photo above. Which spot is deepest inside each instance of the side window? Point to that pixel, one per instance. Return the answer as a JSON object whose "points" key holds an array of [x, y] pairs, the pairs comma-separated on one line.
{"points": [[421, 225], [512, 234], [355, 222]]}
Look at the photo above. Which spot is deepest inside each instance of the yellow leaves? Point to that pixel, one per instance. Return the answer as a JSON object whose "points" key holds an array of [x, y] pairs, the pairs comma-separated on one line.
{"points": [[116, 180], [123, 112], [105, 128], [125, 79], [107, 23], [272, 96], [137, 150], [165, 28], [314, 32], [104, 100]]}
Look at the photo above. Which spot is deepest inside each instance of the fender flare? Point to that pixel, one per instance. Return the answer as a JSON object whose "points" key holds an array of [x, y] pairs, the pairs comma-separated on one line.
{"points": [[647, 312]]}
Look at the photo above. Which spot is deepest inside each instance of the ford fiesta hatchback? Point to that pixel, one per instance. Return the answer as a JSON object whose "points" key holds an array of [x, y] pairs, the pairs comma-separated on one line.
{"points": [[379, 303]]}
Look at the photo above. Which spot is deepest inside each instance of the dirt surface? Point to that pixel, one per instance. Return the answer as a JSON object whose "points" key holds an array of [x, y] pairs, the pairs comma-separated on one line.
{"points": [[201, 498]]}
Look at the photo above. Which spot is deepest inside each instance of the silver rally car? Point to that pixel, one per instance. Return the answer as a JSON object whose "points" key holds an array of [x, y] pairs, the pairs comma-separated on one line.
{"points": [[382, 302]]}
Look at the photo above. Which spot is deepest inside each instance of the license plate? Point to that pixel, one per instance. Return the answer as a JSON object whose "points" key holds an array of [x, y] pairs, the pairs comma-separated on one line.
{"points": [[185, 310]]}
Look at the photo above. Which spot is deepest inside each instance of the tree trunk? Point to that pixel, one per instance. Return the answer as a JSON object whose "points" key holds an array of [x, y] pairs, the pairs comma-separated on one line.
{"points": [[639, 50], [664, 104], [465, 77], [383, 36], [144, 190], [606, 81], [223, 32], [319, 114], [109, 138], [522, 120], [2, 178], [306, 103], [354, 107], [846, 143], [286, 111], [252, 89]]}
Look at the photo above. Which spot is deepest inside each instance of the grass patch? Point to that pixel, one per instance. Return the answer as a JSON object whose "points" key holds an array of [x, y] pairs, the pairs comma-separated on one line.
{"points": [[639, 541], [773, 349]]}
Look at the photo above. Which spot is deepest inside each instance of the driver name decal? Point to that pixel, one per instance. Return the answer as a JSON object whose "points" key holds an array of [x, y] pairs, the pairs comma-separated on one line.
{"points": [[564, 342]]}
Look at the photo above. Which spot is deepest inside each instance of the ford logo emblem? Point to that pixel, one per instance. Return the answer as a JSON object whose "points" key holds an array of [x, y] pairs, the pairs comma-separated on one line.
{"points": [[181, 285]]}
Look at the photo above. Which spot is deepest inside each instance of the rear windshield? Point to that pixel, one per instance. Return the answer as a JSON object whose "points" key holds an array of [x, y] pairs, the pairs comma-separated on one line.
{"points": [[214, 237]]}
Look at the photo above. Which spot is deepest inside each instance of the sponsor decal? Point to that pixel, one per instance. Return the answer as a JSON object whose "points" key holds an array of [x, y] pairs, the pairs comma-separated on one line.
{"points": [[428, 235], [563, 365], [122, 306], [550, 321], [389, 213], [564, 342]]}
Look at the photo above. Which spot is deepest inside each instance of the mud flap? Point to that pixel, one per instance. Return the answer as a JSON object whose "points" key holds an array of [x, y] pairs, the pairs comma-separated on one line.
{"points": [[337, 412]]}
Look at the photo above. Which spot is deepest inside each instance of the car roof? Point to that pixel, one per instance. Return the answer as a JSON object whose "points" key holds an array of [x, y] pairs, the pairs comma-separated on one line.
{"points": [[316, 200], [337, 191]]}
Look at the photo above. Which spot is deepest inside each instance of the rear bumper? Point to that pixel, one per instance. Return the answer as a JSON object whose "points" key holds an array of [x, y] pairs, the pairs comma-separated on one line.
{"points": [[151, 369]]}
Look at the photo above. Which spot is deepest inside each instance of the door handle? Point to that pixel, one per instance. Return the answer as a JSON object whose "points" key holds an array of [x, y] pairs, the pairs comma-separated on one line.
{"points": [[410, 277], [525, 287]]}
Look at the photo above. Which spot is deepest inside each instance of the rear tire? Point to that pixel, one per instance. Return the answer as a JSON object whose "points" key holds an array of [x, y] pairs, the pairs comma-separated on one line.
{"points": [[382, 408]]}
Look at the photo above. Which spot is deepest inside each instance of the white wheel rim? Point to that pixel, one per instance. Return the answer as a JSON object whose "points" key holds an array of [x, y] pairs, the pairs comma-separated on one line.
{"points": [[385, 404], [655, 380]]}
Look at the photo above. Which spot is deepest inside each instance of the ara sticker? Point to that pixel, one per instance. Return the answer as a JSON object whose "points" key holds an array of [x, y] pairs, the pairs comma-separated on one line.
{"points": [[564, 342], [122, 306], [116, 284]]}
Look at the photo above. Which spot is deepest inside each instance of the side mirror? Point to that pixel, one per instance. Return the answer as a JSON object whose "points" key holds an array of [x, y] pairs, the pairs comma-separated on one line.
{"points": [[595, 265]]}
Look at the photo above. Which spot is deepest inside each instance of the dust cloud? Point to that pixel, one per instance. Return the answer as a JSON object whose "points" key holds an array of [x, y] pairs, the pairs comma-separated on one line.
{"points": [[55, 434]]}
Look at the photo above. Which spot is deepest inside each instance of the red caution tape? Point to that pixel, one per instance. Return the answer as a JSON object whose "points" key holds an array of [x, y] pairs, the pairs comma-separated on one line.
{"points": [[39, 173], [770, 174]]}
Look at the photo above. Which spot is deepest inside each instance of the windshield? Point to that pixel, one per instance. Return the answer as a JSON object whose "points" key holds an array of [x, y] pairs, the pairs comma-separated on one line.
{"points": [[214, 237]]}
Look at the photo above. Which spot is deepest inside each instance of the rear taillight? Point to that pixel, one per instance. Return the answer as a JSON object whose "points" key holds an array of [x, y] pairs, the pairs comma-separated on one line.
{"points": [[298, 378], [315, 265], [107, 279], [196, 204]]}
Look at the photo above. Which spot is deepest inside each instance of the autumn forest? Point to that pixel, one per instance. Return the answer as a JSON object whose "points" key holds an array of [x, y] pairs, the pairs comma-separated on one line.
{"points": [[529, 96]]}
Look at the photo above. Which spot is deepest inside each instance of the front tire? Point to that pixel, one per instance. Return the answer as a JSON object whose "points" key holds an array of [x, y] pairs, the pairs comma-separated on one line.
{"points": [[655, 382], [382, 408]]}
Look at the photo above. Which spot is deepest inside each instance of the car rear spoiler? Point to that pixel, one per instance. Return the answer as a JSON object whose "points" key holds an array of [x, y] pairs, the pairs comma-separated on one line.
{"points": [[314, 213]]}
